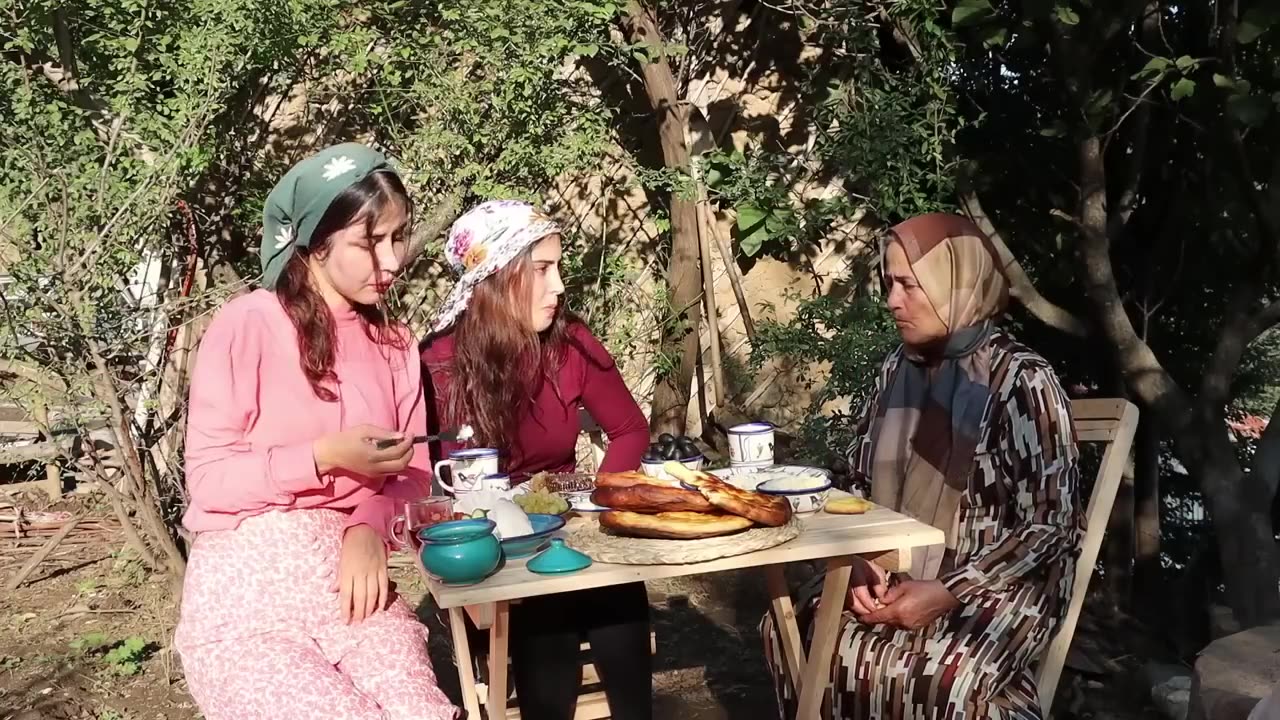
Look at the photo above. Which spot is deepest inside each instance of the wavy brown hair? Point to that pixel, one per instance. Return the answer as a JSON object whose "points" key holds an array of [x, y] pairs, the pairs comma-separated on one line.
{"points": [[499, 363], [311, 317]]}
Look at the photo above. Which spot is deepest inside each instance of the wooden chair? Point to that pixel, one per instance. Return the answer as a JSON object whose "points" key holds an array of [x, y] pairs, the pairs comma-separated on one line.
{"points": [[595, 436], [1113, 422]]}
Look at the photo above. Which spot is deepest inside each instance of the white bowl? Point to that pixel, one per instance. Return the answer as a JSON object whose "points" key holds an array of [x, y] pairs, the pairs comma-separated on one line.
{"points": [[804, 498], [655, 470]]}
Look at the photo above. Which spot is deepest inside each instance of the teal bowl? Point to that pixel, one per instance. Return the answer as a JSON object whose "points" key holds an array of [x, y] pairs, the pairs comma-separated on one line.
{"points": [[525, 545], [460, 552]]}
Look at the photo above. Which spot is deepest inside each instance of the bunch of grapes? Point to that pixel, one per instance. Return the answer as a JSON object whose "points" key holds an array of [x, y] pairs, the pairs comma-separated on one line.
{"points": [[542, 501]]}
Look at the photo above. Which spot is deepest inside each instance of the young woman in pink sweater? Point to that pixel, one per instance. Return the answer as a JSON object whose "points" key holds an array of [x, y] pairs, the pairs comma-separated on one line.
{"points": [[287, 611]]}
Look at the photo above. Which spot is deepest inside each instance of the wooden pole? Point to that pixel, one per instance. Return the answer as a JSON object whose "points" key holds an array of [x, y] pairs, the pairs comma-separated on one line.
{"points": [[709, 286], [731, 268]]}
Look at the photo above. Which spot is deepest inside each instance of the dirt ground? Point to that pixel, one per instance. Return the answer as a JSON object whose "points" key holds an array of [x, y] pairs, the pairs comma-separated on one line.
{"points": [[88, 637]]}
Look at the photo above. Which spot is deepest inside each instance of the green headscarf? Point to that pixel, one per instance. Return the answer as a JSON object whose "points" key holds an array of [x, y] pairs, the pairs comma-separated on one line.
{"points": [[302, 196]]}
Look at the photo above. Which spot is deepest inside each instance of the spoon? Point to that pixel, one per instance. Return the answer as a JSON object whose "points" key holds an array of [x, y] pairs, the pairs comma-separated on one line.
{"points": [[462, 433]]}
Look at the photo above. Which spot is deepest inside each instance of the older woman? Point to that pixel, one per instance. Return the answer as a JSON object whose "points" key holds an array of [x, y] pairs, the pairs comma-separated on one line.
{"points": [[968, 431]]}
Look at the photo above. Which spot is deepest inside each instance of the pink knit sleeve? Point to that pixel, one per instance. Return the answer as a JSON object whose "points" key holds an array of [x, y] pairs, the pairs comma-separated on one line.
{"points": [[225, 473], [415, 482]]}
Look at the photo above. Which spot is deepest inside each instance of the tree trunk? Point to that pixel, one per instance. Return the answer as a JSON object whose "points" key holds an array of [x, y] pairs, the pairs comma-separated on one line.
{"points": [[1146, 490], [1118, 561], [679, 334], [1241, 514]]}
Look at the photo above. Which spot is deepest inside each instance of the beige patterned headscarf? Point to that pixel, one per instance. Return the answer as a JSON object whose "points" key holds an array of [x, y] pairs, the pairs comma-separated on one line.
{"points": [[927, 423]]}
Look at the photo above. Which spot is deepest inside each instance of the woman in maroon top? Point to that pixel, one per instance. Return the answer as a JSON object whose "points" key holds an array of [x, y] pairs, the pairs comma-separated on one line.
{"points": [[507, 358]]}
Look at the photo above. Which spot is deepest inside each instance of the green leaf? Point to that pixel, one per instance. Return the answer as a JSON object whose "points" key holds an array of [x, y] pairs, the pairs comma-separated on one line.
{"points": [[1250, 110], [131, 44], [1057, 129], [970, 14], [1185, 63], [714, 177], [586, 50], [1066, 15], [1256, 21], [1223, 81], [1154, 66], [752, 232], [1182, 89], [995, 36]]}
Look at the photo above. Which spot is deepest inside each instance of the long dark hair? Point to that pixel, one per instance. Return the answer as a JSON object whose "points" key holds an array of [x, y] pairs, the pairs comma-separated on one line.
{"points": [[499, 362], [312, 319]]}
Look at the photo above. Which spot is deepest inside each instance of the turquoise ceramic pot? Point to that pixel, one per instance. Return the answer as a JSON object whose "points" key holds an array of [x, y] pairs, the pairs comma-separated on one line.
{"points": [[460, 552]]}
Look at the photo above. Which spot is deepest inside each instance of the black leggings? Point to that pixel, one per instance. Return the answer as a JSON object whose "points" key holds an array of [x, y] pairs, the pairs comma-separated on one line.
{"points": [[546, 632]]}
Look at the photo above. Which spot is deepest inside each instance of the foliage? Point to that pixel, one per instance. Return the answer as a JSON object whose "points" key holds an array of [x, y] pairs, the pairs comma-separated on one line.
{"points": [[138, 139], [849, 338], [122, 658]]}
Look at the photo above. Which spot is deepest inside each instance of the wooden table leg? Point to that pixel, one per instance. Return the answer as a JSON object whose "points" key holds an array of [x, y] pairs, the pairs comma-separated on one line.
{"points": [[784, 620], [826, 623], [466, 671], [499, 635]]}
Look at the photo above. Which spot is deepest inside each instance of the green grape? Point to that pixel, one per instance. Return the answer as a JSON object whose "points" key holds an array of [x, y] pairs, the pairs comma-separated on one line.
{"points": [[542, 501]]}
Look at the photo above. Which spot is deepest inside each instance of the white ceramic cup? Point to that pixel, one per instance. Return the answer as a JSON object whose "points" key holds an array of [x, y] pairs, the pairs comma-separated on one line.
{"points": [[466, 468], [751, 445], [499, 482]]}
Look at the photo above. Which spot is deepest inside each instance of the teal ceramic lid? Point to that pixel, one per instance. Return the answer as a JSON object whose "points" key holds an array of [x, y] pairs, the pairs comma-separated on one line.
{"points": [[559, 558]]}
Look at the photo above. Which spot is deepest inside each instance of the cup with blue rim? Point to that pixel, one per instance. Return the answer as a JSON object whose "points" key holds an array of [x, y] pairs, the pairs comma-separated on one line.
{"points": [[751, 445], [466, 468]]}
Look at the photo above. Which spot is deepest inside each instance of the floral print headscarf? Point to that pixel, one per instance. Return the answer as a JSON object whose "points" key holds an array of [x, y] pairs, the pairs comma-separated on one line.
{"points": [[482, 242]]}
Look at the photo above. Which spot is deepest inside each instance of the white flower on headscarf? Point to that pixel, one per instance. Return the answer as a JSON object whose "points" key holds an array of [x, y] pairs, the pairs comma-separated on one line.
{"points": [[284, 237], [338, 167]]}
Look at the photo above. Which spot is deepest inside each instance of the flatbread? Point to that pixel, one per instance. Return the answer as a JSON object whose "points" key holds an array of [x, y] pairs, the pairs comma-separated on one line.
{"points": [[767, 510], [848, 506], [673, 525], [628, 479]]}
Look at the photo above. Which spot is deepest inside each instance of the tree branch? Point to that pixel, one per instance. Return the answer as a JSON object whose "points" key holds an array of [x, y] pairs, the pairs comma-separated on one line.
{"points": [[1137, 160], [1142, 370], [1020, 286]]}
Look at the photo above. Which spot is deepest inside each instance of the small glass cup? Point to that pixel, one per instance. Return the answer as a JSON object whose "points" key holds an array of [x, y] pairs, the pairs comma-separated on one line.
{"points": [[418, 514]]}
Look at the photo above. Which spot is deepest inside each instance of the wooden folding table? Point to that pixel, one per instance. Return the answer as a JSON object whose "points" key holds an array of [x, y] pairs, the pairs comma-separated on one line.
{"points": [[880, 535]]}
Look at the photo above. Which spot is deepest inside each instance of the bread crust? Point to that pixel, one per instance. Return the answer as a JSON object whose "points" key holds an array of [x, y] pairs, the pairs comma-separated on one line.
{"points": [[673, 525], [767, 510], [651, 499]]}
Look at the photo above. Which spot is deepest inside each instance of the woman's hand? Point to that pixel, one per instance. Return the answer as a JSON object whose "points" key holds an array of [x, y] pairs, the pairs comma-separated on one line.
{"points": [[362, 586], [868, 585], [913, 604], [356, 450]]}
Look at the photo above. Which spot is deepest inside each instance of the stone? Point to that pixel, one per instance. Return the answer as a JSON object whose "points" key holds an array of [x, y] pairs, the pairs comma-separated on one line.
{"points": [[1234, 673], [1222, 622], [1173, 697]]}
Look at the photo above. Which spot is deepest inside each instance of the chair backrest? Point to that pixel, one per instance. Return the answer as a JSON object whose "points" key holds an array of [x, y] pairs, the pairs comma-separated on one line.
{"points": [[1113, 422], [595, 436]]}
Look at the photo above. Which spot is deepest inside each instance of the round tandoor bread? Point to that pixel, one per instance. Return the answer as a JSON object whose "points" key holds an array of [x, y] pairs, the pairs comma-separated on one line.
{"points": [[768, 510], [673, 525]]}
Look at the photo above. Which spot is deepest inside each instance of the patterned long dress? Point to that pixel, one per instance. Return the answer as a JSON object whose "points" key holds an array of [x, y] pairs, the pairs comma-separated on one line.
{"points": [[1018, 532]]}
